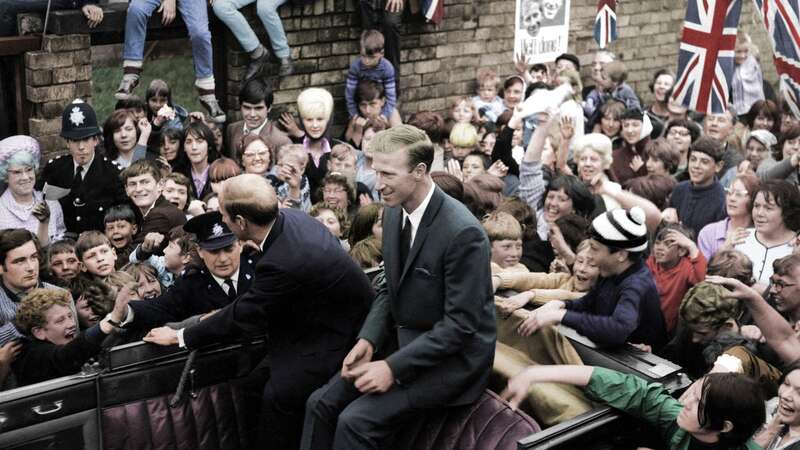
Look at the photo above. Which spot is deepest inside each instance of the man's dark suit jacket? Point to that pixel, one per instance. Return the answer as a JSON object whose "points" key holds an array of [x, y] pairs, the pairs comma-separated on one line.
{"points": [[308, 295], [440, 303], [195, 292]]}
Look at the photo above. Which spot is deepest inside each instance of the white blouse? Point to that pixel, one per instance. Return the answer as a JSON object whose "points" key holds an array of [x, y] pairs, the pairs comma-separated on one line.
{"points": [[762, 256]]}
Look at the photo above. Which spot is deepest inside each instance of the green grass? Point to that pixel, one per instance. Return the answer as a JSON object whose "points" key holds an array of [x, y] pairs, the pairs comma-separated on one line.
{"points": [[178, 72]]}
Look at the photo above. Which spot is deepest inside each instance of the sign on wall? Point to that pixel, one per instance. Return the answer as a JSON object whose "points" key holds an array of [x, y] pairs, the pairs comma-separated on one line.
{"points": [[541, 29]]}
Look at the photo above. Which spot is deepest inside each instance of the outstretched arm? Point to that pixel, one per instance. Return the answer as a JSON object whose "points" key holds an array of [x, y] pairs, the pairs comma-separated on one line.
{"points": [[627, 200], [776, 330], [518, 386]]}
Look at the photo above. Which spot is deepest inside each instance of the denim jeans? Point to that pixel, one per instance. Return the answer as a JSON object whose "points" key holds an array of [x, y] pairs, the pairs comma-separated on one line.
{"points": [[195, 16], [228, 12], [10, 8], [375, 17]]}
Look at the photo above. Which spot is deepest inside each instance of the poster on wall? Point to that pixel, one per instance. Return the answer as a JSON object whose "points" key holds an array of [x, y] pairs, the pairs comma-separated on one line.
{"points": [[541, 29]]}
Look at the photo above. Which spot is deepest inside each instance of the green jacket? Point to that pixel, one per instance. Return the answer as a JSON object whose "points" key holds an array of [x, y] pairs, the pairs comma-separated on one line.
{"points": [[647, 401]]}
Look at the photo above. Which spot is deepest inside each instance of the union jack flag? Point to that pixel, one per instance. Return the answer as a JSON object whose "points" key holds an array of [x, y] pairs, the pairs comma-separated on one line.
{"points": [[605, 23], [433, 11], [705, 60], [783, 27]]}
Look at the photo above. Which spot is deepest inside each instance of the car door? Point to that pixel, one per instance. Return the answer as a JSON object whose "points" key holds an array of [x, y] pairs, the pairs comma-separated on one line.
{"points": [[55, 414]]}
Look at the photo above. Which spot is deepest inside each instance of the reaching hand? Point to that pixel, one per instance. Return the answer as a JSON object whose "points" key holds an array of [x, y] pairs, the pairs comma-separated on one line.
{"points": [[515, 302], [394, 6], [454, 169], [145, 128], [557, 241], [517, 389], [670, 215], [643, 347], [162, 336], [164, 163], [498, 169], [515, 122], [567, 128], [753, 333], [598, 184], [521, 64], [539, 319], [287, 121], [291, 175], [744, 167], [735, 236], [197, 116], [93, 14], [167, 10], [381, 121], [559, 266], [738, 290], [795, 160], [152, 241], [196, 207], [361, 353], [9, 352], [124, 296], [358, 123], [41, 211], [364, 199], [636, 163]]}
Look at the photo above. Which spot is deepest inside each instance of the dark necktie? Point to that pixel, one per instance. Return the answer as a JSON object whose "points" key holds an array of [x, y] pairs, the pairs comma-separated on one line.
{"points": [[78, 179], [405, 241], [231, 289]]}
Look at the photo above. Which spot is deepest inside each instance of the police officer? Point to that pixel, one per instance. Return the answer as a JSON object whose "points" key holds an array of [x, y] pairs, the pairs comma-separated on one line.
{"points": [[226, 273], [85, 183]]}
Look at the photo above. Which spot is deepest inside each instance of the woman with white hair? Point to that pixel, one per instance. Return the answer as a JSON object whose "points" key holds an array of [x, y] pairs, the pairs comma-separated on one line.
{"points": [[315, 106], [592, 155], [20, 205]]}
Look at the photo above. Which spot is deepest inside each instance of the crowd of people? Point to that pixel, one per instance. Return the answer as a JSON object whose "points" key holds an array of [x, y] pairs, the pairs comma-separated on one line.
{"points": [[649, 225]]}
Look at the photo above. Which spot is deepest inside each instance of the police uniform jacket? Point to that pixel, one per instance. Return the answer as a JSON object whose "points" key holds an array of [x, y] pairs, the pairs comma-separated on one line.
{"points": [[195, 292], [101, 189]]}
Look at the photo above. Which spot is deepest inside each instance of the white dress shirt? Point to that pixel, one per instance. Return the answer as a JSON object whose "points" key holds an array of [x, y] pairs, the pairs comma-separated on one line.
{"points": [[85, 167], [416, 216], [221, 281]]}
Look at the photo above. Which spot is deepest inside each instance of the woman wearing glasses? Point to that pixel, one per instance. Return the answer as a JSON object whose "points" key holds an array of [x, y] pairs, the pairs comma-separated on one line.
{"points": [[732, 230], [338, 190], [20, 205]]}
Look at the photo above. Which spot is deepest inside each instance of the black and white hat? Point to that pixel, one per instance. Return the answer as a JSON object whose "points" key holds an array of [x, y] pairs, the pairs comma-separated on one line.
{"points": [[621, 228]]}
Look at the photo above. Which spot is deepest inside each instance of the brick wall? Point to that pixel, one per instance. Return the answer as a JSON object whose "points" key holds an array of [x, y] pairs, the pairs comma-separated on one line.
{"points": [[439, 63], [56, 75]]}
